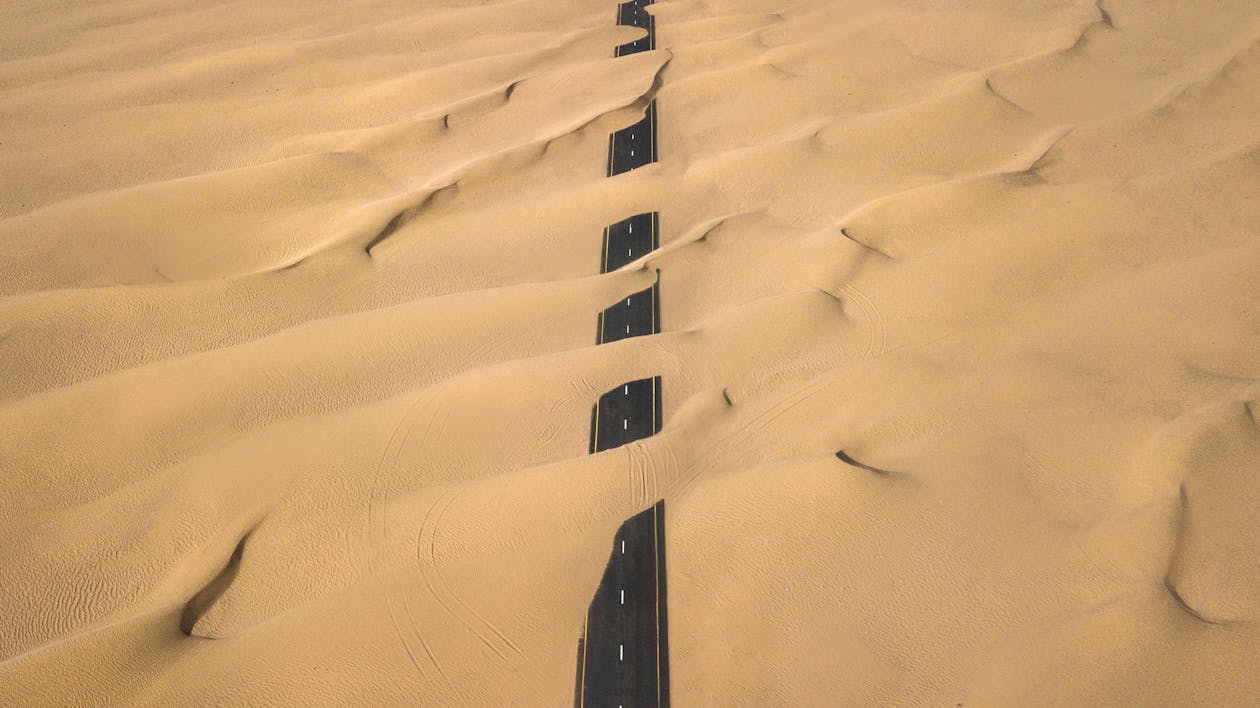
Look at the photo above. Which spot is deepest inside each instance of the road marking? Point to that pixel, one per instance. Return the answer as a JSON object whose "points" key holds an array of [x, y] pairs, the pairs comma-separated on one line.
{"points": [[632, 153], [628, 252], [652, 308], [631, 227], [653, 386], [627, 329], [621, 652], [652, 137], [656, 564], [606, 242], [623, 597], [625, 424], [596, 426], [623, 548], [582, 694], [627, 302]]}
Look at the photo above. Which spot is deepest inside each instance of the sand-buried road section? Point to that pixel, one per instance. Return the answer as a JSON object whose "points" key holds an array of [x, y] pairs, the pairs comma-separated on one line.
{"points": [[1004, 251]]}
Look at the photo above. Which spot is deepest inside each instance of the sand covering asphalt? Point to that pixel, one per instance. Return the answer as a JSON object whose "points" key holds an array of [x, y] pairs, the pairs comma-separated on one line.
{"points": [[297, 303]]}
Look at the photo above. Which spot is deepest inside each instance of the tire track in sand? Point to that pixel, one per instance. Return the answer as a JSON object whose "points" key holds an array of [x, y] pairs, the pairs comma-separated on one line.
{"points": [[877, 342], [378, 497], [426, 558]]}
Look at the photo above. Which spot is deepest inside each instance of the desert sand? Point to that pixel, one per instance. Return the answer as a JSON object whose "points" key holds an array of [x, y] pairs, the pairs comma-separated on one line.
{"points": [[297, 309]]}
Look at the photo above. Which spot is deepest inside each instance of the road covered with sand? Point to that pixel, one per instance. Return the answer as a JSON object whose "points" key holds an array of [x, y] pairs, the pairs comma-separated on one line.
{"points": [[297, 356]]}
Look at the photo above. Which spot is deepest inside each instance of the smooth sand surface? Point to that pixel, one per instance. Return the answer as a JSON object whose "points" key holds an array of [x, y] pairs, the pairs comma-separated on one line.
{"points": [[297, 310]]}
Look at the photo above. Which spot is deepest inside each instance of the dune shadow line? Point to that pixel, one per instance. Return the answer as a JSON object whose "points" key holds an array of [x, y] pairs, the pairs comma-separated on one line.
{"points": [[846, 459], [201, 603]]}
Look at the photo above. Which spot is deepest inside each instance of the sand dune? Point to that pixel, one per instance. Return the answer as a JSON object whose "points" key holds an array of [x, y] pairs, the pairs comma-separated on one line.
{"points": [[297, 313]]}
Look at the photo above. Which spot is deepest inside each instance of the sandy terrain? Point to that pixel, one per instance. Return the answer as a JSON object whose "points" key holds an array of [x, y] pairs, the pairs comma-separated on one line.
{"points": [[307, 290]]}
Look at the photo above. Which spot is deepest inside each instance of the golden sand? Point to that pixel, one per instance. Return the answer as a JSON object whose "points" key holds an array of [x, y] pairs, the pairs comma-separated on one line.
{"points": [[308, 290]]}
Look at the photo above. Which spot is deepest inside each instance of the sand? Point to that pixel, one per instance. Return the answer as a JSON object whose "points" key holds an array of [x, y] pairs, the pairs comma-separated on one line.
{"points": [[297, 309]]}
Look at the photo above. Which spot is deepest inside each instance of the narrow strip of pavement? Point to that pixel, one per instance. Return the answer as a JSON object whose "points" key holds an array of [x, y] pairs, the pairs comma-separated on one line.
{"points": [[630, 412], [633, 14], [632, 316], [623, 655], [635, 146], [629, 239]]}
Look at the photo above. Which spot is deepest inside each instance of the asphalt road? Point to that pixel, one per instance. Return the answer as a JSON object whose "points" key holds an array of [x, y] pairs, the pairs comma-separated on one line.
{"points": [[630, 412], [634, 146], [623, 655], [629, 239], [632, 14], [632, 316]]}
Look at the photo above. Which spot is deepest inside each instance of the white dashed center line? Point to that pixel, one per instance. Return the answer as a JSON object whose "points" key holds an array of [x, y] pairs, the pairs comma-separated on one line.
{"points": [[623, 597], [621, 652], [625, 423]]}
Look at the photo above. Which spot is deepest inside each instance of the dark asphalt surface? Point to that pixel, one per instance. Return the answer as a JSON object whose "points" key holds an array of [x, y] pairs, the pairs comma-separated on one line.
{"points": [[634, 146], [632, 14], [623, 656], [630, 412], [629, 239], [632, 316]]}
